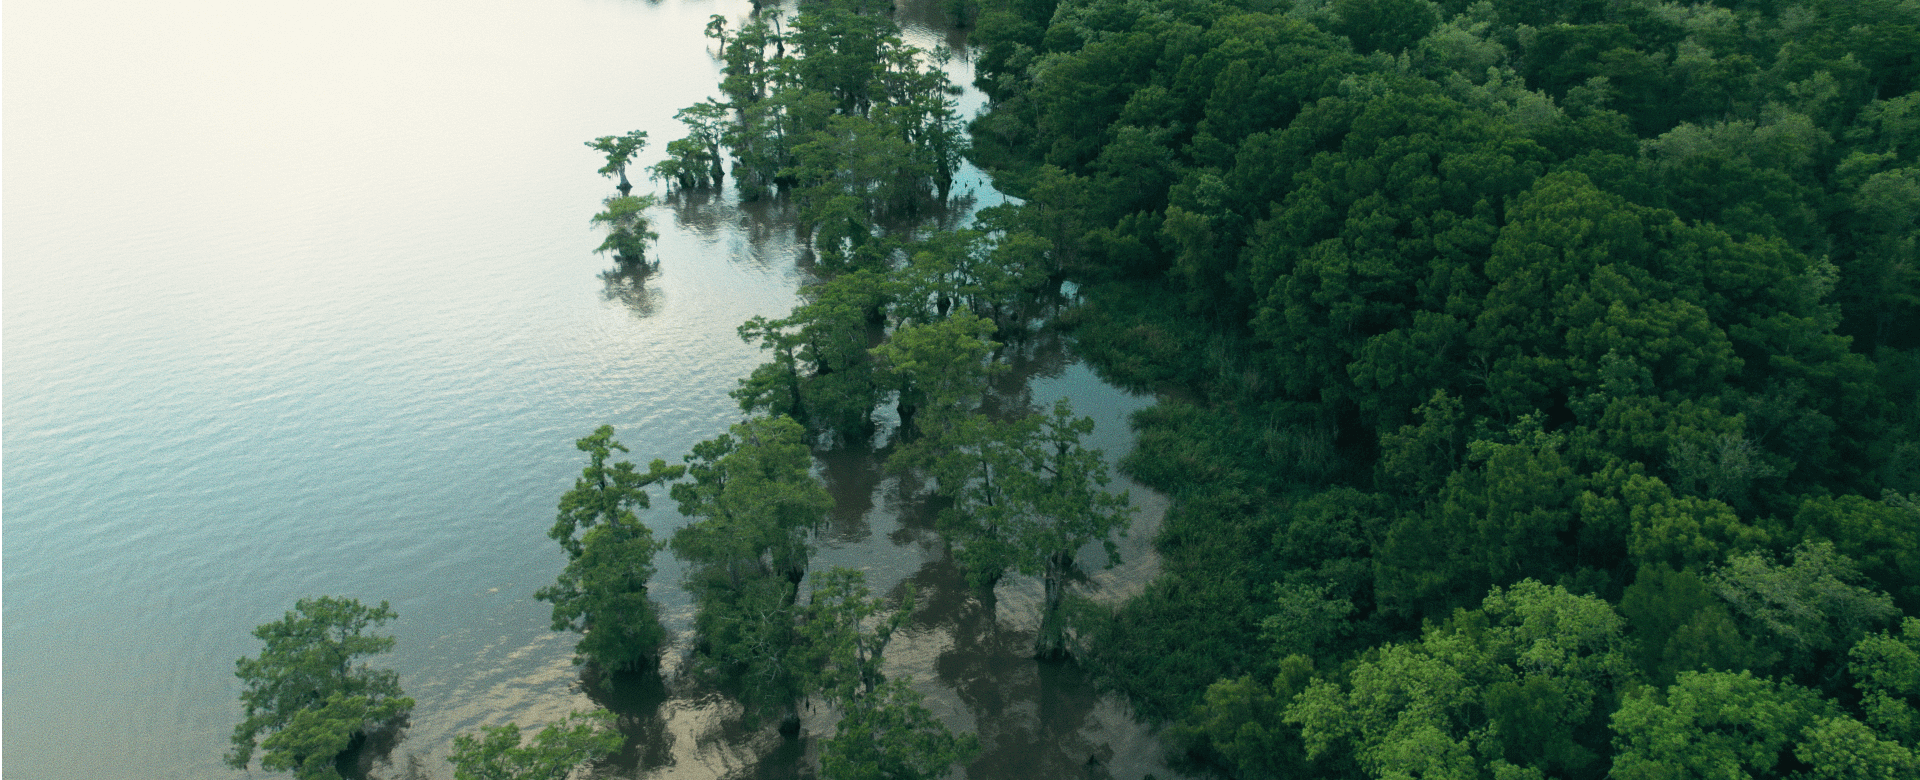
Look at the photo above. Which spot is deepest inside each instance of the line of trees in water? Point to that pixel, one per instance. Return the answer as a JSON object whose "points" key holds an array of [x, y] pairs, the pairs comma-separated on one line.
{"points": [[831, 110]]}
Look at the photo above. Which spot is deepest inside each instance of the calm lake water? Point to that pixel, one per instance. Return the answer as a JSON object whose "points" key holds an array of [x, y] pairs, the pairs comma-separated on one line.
{"points": [[300, 300]]}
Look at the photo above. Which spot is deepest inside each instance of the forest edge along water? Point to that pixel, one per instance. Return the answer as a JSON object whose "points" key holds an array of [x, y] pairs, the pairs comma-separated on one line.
{"points": [[1530, 389]]}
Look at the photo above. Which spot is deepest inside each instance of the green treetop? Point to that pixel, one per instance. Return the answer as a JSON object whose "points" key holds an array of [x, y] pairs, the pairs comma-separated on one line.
{"points": [[755, 502], [1027, 496], [305, 701], [619, 150], [845, 632], [552, 754], [628, 230], [603, 591], [889, 735]]}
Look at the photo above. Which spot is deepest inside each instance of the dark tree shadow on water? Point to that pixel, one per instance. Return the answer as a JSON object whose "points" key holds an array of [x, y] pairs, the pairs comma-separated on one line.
{"points": [[1032, 716], [370, 750], [634, 698], [852, 475]]}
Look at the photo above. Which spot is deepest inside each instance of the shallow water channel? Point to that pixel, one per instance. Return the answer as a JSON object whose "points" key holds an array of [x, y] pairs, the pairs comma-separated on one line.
{"points": [[300, 300]]}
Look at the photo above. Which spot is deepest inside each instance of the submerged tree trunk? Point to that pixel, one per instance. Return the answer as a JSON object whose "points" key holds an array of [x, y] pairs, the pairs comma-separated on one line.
{"points": [[908, 430], [1051, 644]]}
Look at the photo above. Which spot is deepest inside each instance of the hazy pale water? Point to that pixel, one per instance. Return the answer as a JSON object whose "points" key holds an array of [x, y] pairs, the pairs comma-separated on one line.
{"points": [[299, 299]]}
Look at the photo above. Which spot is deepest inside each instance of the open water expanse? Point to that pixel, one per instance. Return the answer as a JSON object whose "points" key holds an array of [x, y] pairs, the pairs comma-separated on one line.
{"points": [[299, 299]]}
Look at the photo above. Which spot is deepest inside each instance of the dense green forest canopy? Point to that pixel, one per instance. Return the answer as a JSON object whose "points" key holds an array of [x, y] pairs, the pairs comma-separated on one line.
{"points": [[1541, 380]]}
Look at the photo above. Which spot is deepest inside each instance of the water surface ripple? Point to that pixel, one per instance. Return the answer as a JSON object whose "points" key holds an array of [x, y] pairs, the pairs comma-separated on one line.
{"points": [[300, 300]]}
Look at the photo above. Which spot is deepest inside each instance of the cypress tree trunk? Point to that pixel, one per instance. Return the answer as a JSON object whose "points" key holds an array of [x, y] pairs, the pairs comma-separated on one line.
{"points": [[1051, 644]]}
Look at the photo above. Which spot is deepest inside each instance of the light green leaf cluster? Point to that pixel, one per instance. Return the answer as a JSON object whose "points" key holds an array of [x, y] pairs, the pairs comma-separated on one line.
{"points": [[1710, 724], [552, 754], [304, 699], [1508, 689]]}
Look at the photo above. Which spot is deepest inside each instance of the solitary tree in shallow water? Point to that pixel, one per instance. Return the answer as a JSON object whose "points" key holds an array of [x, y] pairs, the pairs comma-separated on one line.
{"points": [[305, 701], [628, 231], [619, 150]]}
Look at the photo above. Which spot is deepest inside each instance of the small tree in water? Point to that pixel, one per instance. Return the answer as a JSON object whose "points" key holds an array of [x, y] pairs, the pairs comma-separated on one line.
{"points": [[628, 231], [619, 150], [306, 703]]}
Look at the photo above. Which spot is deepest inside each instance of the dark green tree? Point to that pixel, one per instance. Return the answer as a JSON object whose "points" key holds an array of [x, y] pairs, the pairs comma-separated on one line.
{"points": [[602, 593], [1241, 721], [889, 735], [822, 372], [696, 161], [755, 503], [845, 631], [938, 372], [305, 701], [1385, 25], [1027, 496], [1679, 626]]}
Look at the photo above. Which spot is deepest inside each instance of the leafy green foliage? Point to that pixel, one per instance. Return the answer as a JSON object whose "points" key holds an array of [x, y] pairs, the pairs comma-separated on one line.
{"points": [[1845, 749], [835, 105], [1680, 626], [619, 150], [1518, 683], [822, 373], [602, 593], [1806, 608], [755, 503], [1240, 722], [305, 701], [939, 373], [628, 231], [552, 754], [845, 633], [1887, 670], [755, 500], [1026, 498], [695, 161], [1444, 297], [1711, 724], [888, 734]]}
